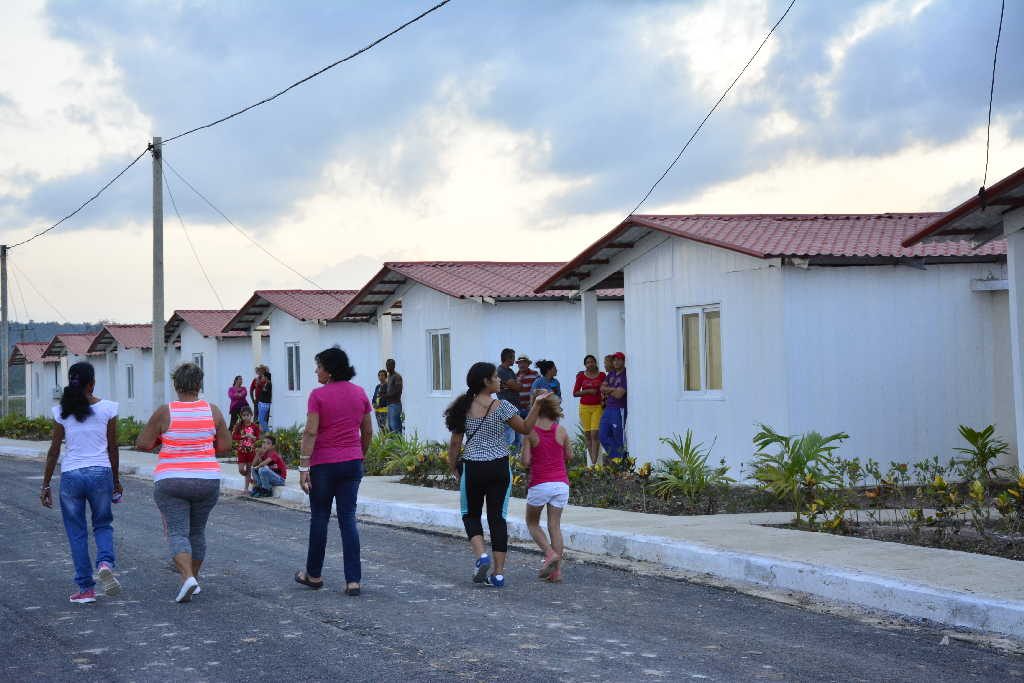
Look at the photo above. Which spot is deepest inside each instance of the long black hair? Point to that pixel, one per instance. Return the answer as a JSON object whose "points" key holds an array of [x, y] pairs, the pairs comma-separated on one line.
{"points": [[74, 400], [476, 380], [335, 362]]}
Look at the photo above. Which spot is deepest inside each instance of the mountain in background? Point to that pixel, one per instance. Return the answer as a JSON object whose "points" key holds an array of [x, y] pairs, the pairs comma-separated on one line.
{"points": [[39, 331]]}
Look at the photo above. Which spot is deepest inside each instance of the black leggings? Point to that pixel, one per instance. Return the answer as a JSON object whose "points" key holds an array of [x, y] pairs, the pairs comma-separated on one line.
{"points": [[490, 480]]}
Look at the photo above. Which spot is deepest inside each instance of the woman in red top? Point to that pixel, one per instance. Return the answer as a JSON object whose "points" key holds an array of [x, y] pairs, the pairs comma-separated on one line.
{"points": [[545, 451], [588, 391]]}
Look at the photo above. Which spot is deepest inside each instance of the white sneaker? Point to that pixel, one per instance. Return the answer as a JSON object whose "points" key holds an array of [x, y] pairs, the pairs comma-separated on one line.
{"points": [[198, 590], [111, 586], [187, 589]]}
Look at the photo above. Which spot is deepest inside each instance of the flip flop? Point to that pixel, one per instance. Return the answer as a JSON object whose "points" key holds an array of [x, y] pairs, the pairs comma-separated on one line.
{"points": [[352, 591], [304, 580]]}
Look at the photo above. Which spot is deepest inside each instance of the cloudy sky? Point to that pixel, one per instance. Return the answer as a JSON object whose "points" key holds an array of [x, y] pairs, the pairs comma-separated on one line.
{"points": [[502, 130]]}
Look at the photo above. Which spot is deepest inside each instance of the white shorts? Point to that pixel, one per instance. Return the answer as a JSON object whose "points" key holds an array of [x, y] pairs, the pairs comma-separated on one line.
{"points": [[554, 493]]}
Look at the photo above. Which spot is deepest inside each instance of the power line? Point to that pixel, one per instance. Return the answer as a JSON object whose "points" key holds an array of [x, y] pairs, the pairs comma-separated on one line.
{"points": [[85, 203], [713, 108], [244, 234], [312, 75], [190, 244], [36, 290], [991, 92]]}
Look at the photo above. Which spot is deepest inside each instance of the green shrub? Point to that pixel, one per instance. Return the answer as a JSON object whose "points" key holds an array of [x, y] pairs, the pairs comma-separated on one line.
{"points": [[128, 430], [689, 475], [31, 429], [985, 450], [288, 442], [802, 466]]}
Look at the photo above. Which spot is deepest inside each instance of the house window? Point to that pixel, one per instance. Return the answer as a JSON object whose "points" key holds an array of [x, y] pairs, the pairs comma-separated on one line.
{"points": [[701, 328], [56, 375], [294, 377], [35, 383], [129, 371], [197, 358], [440, 360]]}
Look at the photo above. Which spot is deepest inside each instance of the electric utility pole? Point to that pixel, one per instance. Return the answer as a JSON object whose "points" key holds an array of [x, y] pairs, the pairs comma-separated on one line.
{"points": [[5, 371], [158, 274]]}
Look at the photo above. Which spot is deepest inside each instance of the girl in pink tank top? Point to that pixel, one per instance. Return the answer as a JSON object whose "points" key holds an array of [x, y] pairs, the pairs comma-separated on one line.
{"points": [[546, 451]]}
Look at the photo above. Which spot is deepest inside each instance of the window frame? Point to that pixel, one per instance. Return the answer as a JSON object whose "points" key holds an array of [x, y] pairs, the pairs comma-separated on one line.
{"points": [[129, 379], [293, 367], [701, 311], [434, 389], [197, 358]]}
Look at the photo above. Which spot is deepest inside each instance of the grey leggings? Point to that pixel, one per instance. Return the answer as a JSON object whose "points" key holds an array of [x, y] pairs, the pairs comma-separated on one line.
{"points": [[185, 505]]}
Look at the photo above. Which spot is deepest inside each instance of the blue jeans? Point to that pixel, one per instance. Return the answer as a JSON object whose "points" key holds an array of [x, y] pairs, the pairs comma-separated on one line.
{"points": [[395, 418], [263, 416], [266, 478], [336, 480], [611, 432], [95, 485]]}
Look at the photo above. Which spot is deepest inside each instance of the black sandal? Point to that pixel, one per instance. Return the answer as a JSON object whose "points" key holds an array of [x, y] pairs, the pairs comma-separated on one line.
{"points": [[352, 591], [304, 580]]}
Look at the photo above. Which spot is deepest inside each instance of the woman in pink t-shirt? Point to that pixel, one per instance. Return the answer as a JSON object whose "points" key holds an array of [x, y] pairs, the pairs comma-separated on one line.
{"points": [[337, 435]]}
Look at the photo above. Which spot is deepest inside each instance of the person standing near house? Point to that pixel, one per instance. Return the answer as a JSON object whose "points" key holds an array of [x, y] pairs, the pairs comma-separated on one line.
{"points": [[588, 390], [254, 388], [478, 456], [393, 398], [269, 470], [526, 377], [245, 437], [547, 380], [508, 390], [337, 435], [190, 432], [613, 420], [546, 450], [266, 388], [237, 401], [88, 474], [380, 408]]}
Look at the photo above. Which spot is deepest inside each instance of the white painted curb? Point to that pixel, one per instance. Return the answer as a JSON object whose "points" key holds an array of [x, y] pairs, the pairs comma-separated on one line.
{"points": [[882, 593]]}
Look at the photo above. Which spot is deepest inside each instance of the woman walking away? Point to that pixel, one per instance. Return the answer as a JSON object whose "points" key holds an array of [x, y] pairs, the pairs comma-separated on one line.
{"points": [[236, 396], [245, 437], [477, 424], [546, 381], [588, 391], [545, 452], [380, 408], [187, 476], [88, 474], [338, 433]]}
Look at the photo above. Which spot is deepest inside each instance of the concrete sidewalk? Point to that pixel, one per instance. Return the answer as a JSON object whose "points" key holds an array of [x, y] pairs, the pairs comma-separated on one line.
{"points": [[948, 587]]}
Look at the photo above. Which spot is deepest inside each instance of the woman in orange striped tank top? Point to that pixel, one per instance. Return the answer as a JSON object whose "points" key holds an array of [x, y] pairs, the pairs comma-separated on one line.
{"points": [[187, 477]]}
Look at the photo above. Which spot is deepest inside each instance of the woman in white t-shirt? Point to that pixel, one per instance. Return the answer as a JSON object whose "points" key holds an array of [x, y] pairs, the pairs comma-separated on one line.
{"points": [[88, 473]]}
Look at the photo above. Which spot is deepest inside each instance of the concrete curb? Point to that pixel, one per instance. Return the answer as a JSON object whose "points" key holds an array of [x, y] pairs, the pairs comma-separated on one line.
{"points": [[872, 591]]}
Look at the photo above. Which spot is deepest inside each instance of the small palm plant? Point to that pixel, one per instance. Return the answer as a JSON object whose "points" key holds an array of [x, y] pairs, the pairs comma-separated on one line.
{"points": [[689, 475], [802, 465], [985, 449]]}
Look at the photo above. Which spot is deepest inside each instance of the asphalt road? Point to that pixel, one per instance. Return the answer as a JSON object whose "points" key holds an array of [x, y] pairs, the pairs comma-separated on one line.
{"points": [[419, 618]]}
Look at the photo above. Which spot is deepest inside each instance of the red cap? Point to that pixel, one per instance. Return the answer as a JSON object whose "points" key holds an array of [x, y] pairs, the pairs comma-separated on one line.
{"points": [[619, 354]]}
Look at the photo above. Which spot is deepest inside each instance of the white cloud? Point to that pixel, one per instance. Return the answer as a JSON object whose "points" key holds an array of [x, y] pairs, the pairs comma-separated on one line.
{"points": [[918, 177], [777, 124], [62, 110]]}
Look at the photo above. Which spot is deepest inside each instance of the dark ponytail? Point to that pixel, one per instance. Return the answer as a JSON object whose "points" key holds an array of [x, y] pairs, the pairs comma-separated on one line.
{"points": [[335, 362], [81, 376], [476, 380]]}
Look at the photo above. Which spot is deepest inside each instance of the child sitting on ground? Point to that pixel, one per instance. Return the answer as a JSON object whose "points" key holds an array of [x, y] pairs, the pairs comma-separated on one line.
{"points": [[545, 452], [269, 469], [245, 435]]}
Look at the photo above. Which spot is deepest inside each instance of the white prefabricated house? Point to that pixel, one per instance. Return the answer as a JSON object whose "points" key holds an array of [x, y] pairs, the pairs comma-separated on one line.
{"points": [[454, 314], [42, 376], [74, 348], [804, 322], [198, 336], [298, 328], [994, 213], [128, 350]]}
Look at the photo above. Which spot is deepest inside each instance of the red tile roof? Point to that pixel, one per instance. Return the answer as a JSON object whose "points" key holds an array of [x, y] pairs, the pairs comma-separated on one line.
{"points": [[302, 304], [850, 236], [209, 323], [507, 281], [28, 352], [76, 344], [124, 337]]}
